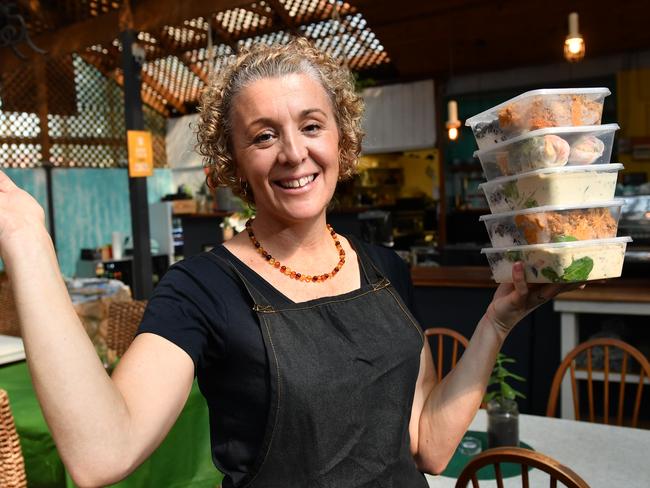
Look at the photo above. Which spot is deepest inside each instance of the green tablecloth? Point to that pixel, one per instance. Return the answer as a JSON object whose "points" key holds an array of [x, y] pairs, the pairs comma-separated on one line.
{"points": [[182, 460]]}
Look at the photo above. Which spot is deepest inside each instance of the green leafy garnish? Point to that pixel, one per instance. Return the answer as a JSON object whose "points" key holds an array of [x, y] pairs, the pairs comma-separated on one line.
{"points": [[510, 190], [564, 239], [514, 256], [530, 203], [550, 274], [578, 270]]}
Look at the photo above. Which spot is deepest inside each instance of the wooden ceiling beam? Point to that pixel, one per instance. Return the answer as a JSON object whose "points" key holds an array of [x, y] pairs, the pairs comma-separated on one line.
{"points": [[118, 78], [199, 30], [46, 15], [148, 15], [222, 34], [187, 61], [152, 101], [224, 37], [185, 57], [259, 11], [169, 46], [282, 13], [172, 98]]}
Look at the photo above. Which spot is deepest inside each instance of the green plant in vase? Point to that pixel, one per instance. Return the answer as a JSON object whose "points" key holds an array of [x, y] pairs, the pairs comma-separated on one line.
{"points": [[501, 400], [236, 221]]}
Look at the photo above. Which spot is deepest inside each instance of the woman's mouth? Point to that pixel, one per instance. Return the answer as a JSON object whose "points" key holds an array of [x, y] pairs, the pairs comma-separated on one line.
{"points": [[293, 184]]}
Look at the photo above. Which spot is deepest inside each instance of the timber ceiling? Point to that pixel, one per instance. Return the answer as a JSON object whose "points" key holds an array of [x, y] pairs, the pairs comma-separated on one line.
{"points": [[402, 40], [432, 38], [184, 43]]}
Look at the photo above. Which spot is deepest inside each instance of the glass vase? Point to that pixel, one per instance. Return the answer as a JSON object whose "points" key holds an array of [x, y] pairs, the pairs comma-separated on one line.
{"points": [[502, 423]]}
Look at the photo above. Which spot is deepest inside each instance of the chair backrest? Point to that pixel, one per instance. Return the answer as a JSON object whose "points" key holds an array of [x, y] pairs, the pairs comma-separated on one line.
{"points": [[526, 459], [625, 354], [8, 313], [456, 339], [123, 321], [12, 464]]}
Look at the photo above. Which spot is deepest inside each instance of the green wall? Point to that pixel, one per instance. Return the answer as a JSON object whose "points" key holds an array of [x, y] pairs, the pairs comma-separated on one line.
{"points": [[89, 204]]}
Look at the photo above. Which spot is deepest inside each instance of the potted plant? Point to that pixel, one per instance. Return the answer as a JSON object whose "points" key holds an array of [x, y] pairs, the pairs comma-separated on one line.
{"points": [[236, 221], [502, 410]]}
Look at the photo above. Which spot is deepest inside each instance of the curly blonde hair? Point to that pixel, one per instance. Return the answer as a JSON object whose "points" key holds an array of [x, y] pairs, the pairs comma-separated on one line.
{"points": [[299, 56]]}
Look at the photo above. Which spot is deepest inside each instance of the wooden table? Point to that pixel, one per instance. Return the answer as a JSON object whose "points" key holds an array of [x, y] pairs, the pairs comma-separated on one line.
{"points": [[604, 456], [615, 297]]}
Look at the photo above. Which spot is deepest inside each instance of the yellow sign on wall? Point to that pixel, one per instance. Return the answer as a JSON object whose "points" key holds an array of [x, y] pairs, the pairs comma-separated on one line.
{"points": [[140, 153]]}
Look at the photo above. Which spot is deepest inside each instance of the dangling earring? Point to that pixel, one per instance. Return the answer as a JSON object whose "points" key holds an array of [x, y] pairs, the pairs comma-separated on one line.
{"points": [[243, 185]]}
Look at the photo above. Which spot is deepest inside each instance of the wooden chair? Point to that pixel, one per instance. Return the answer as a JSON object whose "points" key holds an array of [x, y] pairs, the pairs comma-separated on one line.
{"points": [[441, 333], [605, 375], [123, 321], [12, 464], [8, 313], [524, 457]]}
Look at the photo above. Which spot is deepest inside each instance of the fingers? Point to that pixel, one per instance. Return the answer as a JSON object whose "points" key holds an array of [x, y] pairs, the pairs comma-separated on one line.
{"points": [[545, 293], [519, 278]]}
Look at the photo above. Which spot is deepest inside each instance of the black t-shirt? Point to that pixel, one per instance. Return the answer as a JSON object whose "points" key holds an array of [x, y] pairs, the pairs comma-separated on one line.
{"points": [[208, 313]]}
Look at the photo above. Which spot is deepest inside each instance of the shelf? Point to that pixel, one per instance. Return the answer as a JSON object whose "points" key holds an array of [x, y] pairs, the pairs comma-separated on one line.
{"points": [[204, 215]]}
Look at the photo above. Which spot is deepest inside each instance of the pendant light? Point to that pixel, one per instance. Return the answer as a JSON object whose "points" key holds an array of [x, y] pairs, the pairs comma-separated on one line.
{"points": [[574, 45], [452, 120]]}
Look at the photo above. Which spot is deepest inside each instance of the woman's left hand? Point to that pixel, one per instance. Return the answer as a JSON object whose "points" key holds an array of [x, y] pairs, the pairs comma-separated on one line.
{"points": [[513, 301]]}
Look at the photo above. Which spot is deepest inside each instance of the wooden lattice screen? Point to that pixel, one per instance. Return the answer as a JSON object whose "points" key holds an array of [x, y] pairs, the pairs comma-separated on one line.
{"points": [[83, 117], [68, 112]]}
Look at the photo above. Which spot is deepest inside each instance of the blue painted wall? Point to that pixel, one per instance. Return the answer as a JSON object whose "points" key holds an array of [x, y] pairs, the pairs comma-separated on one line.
{"points": [[32, 181], [89, 205]]}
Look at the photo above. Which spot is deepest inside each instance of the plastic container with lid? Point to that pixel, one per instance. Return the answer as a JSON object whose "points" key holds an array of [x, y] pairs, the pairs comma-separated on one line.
{"points": [[562, 262], [566, 185], [554, 223], [537, 109], [548, 148]]}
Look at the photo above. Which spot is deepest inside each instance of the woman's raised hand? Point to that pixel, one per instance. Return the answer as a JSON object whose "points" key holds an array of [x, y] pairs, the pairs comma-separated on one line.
{"points": [[513, 301], [20, 215]]}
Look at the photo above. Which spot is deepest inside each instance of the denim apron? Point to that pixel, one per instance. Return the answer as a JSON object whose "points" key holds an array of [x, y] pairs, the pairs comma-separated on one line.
{"points": [[342, 377]]}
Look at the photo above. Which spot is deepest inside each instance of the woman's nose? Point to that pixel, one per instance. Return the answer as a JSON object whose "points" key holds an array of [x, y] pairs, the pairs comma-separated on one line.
{"points": [[294, 150]]}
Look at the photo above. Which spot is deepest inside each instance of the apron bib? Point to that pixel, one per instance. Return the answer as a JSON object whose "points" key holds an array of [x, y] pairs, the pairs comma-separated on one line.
{"points": [[342, 377]]}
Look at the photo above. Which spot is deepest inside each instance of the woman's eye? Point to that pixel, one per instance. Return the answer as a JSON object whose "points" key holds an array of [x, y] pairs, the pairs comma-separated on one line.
{"points": [[311, 128], [263, 137]]}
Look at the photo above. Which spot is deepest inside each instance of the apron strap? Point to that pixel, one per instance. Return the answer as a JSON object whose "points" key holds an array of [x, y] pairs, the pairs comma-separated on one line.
{"points": [[262, 304], [370, 271], [372, 274]]}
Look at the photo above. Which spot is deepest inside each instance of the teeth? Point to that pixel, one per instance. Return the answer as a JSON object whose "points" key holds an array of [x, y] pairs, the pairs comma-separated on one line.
{"points": [[299, 183]]}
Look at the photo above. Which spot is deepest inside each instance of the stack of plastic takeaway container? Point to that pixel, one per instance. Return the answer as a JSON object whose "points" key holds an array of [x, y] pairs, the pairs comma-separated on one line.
{"points": [[550, 186]]}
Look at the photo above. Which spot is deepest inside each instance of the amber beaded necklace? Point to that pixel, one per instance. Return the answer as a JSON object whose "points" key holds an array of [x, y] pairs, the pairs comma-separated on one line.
{"points": [[285, 270]]}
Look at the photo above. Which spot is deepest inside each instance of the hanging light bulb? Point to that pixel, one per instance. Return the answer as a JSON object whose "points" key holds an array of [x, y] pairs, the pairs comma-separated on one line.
{"points": [[574, 45], [452, 122]]}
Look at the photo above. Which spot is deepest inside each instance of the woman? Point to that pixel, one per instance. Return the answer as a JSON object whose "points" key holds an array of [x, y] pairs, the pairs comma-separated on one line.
{"points": [[315, 372]]}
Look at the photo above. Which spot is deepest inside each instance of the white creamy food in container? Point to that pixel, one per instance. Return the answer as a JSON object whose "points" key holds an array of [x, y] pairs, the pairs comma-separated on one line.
{"points": [[538, 109], [566, 185], [563, 262], [554, 223], [548, 148]]}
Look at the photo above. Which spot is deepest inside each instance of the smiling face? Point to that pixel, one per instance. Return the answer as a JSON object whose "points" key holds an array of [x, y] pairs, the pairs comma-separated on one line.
{"points": [[285, 144]]}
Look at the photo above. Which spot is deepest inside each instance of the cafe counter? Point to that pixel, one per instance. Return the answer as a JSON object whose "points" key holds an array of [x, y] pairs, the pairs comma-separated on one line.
{"points": [[452, 276]]}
